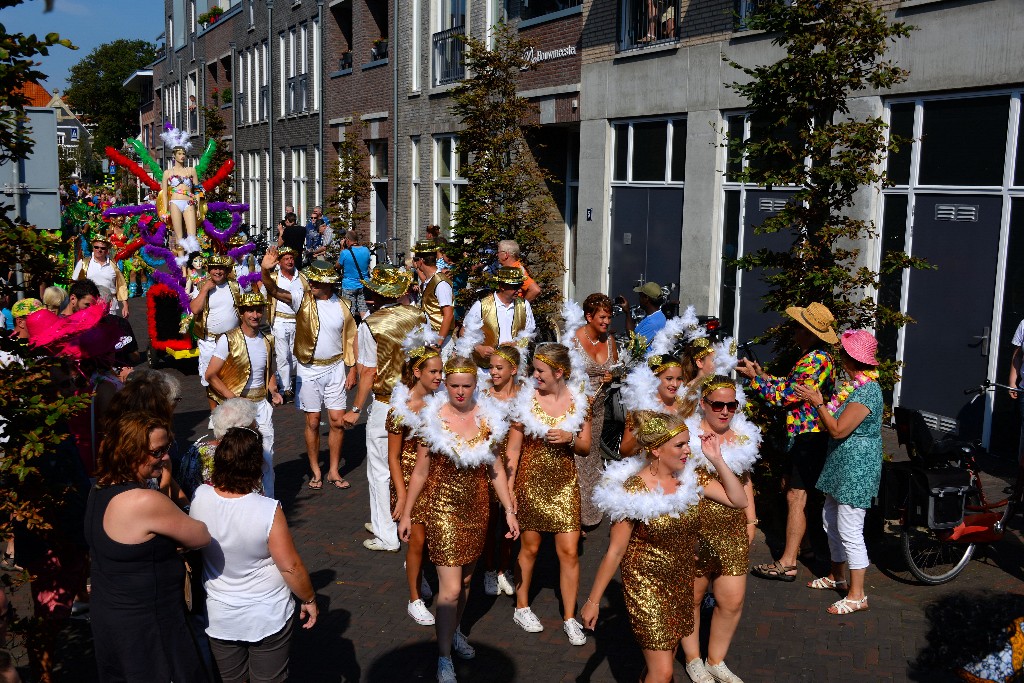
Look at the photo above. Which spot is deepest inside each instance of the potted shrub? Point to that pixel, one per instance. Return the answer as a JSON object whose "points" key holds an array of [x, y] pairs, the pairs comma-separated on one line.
{"points": [[225, 96], [380, 48], [215, 96], [210, 16]]}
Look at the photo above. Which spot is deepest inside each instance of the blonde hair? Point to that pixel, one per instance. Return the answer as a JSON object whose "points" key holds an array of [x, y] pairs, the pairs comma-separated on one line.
{"points": [[554, 355], [55, 299]]}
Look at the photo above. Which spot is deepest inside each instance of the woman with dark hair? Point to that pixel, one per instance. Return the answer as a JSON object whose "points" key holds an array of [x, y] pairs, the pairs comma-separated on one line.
{"points": [[140, 632], [251, 567], [599, 355]]}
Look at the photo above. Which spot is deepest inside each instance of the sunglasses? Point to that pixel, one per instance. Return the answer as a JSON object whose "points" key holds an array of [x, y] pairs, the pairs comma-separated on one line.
{"points": [[719, 406], [160, 452], [100, 247]]}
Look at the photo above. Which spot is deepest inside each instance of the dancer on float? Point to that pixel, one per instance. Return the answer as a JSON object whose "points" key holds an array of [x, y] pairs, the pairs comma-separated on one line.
{"points": [[459, 439], [553, 425], [652, 501], [421, 377], [724, 534], [180, 201]]}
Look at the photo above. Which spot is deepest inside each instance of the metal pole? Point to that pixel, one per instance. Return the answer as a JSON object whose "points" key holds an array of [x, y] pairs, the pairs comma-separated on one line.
{"points": [[320, 94], [394, 124], [234, 116], [270, 115]]}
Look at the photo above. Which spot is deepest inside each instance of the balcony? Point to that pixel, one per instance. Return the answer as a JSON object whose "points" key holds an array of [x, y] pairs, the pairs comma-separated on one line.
{"points": [[646, 23], [449, 50]]}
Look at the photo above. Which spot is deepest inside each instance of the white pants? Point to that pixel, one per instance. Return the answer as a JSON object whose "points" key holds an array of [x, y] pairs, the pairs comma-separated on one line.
{"points": [[205, 354], [319, 387], [845, 528], [379, 476], [265, 423], [284, 347]]}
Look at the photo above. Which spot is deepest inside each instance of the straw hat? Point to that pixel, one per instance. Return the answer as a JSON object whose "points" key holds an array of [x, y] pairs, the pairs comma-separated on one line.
{"points": [[320, 271], [425, 247], [817, 319], [219, 261], [388, 281], [251, 300], [509, 276], [860, 345]]}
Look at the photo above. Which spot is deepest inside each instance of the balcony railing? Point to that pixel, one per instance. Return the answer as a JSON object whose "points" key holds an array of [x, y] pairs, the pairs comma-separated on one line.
{"points": [[449, 55], [649, 22]]}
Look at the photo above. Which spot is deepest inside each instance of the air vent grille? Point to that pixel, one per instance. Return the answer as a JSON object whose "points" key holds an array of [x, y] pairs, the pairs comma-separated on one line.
{"points": [[959, 213]]}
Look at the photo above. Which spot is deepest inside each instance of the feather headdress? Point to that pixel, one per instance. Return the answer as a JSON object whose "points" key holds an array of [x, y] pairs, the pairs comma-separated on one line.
{"points": [[174, 137]]}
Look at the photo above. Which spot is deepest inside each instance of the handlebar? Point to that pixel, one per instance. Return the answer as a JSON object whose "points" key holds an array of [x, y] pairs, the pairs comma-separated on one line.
{"points": [[986, 385]]}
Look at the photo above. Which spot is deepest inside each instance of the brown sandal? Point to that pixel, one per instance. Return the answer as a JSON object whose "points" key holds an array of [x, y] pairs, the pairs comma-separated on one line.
{"points": [[775, 571]]}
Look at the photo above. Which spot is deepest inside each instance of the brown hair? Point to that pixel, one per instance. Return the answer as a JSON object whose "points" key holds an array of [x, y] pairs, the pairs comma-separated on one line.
{"points": [[238, 461], [429, 258], [126, 447], [847, 360], [509, 353], [595, 302], [409, 367], [654, 429], [146, 391], [554, 355]]}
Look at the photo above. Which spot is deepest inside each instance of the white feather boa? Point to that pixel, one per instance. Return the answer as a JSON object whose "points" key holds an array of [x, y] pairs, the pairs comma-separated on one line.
{"points": [[470, 339], [739, 455], [613, 499], [532, 426], [639, 391], [725, 358], [421, 335], [665, 340], [400, 404], [572, 320], [449, 444]]}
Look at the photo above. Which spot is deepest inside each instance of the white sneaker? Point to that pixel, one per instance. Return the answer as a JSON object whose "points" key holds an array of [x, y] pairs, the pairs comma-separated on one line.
{"points": [[368, 526], [574, 630], [697, 673], [491, 583], [527, 620], [445, 670], [720, 672], [375, 544], [420, 614], [504, 585], [461, 646], [425, 590]]}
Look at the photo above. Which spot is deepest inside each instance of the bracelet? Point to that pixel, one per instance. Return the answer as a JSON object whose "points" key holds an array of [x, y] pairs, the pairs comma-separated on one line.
{"points": [[754, 521], [509, 512], [820, 406], [310, 601], [593, 603], [572, 442]]}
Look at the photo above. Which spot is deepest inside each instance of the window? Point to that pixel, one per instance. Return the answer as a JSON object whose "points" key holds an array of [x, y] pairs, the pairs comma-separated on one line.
{"points": [[414, 193], [192, 23], [315, 94], [252, 12], [532, 9], [379, 28], [266, 186], [414, 67], [263, 61], [378, 159], [963, 141], [448, 43], [648, 22], [318, 198], [448, 164], [299, 180], [282, 76], [650, 151], [342, 13], [747, 126]]}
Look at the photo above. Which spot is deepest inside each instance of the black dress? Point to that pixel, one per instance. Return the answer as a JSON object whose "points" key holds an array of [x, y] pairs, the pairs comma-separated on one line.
{"points": [[139, 627]]}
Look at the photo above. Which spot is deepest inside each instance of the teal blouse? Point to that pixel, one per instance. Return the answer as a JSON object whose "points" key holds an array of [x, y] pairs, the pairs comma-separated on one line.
{"points": [[853, 468]]}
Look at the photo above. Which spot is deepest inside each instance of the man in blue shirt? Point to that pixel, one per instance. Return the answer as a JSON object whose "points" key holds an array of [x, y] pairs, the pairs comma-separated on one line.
{"points": [[650, 301], [354, 264]]}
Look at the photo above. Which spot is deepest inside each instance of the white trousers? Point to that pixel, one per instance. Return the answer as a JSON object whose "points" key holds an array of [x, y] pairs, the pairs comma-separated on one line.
{"points": [[206, 349], [845, 528], [379, 476], [265, 423], [284, 348]]}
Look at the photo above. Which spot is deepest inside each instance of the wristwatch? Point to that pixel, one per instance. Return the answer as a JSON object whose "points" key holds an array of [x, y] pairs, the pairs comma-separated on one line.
{"points": [[355, 409]]}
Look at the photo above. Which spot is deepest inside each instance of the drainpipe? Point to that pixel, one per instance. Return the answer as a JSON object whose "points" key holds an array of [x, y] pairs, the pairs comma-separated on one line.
{"points": [[234, 114], [320, 66], [270, 116], [393, 174]]}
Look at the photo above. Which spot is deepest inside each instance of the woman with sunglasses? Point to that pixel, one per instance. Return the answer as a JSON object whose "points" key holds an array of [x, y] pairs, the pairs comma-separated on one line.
{"points": [[456, 456], [421, 377], [139, 627], [251, 568], [724, 533], [652, 501]]}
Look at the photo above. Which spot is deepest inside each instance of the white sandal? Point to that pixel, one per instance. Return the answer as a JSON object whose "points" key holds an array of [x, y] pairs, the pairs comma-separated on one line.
{"points": [[847, 606], [824, 583]]}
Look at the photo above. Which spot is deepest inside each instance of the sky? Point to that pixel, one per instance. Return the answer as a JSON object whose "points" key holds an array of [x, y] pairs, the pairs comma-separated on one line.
{"points": [[87, 24]]}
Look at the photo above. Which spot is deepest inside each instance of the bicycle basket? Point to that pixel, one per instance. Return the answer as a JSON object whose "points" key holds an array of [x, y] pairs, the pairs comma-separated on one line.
{"points": [[938, 496]]}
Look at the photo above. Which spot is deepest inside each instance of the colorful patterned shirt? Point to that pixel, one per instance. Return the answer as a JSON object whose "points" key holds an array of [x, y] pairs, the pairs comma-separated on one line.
{"points": [[815, 367]]}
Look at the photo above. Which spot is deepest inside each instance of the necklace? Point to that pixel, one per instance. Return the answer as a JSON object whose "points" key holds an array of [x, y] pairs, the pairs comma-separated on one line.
{"points": [[587, 335], [850, 387]]}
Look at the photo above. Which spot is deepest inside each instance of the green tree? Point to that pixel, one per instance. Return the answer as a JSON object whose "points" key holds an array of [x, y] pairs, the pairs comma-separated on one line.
{"points": [[349, 182], [506, 196], [88, 162], [835, 50], [95, 89], [216, 129]]}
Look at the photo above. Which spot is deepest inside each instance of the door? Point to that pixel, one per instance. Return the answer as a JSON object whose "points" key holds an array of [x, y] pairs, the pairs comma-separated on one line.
{"points": [[647, 238], [947, 349], [380, 221]]}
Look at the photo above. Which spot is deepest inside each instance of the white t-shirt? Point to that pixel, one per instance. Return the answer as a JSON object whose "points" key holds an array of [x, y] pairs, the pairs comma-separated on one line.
{"points": [[329, 342], [1018, 340], [294, 287], [103, 274], [367, 347], [222, 316], [505, 315], [445, 295], [257, 349], [246, 596]]}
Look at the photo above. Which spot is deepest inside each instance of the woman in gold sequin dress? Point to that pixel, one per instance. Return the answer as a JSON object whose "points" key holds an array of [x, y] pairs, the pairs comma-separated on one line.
{"points": [[724, 534], [456, 456], [655, 386], [552, 426], [652, 501], [421, 377]]}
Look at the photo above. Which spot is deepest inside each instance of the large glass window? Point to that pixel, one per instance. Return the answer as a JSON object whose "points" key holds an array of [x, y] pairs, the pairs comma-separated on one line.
{"points": [[447, 179], [645, 23], [652, 150], [963, 141], [901, 123]]}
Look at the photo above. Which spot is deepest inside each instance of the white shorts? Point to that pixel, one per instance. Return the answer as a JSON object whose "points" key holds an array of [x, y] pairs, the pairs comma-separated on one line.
{"points": [[316, 387], [205, 354]]}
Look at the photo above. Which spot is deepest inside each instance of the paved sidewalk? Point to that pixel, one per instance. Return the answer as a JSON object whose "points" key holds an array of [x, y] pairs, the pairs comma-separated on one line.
{"points": [[364, 633]]}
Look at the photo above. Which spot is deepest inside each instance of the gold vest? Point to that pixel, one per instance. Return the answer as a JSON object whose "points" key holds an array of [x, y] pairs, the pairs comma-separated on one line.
{"points": [[120, 284], [489, 314], [389, 327], [238, 366], [428, 301], [199, 323], [272, 303], [307, 330]]}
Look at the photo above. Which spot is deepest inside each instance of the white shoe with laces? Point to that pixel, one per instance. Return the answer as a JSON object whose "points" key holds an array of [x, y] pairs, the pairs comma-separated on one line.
{"points": [[461, 646], [445, 670], [491, 583], [425, 591], [504, 585], [376, 544], [697, 673], [720, 672], [574, 630], [420, 614], [527, 620]]}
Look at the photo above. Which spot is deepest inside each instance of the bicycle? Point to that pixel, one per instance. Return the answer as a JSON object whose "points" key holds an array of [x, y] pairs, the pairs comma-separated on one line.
{"points": [[940, 501]]}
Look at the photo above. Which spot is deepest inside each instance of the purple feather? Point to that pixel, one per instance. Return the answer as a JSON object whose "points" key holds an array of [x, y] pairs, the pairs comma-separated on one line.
{"points": [[172, 283], [246, 281], [226, 206], [129, 210], [161, 252], [239, 252]]}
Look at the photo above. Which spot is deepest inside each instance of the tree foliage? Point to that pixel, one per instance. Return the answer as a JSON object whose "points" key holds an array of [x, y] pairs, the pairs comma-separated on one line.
{"points": [[506, 195], [96, 92], [349, 180], [216, 129], [835, 50]]}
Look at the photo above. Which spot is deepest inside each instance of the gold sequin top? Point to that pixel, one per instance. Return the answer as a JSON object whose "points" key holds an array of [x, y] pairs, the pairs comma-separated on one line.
{"points": [[395, 424], [722, 545], [546, 488]]}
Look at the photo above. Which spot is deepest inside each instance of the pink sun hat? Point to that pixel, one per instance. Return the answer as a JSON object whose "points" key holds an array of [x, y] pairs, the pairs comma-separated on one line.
{"points": [[860, 345]]}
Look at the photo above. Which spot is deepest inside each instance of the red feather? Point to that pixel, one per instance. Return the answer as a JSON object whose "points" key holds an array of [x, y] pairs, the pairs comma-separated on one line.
{"points": [[130, 249], [181, 344], [135, 169], [220, 176]]}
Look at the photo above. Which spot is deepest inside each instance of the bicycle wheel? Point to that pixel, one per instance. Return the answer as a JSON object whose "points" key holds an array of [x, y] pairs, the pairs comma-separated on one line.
{"points": [[931, 559]]}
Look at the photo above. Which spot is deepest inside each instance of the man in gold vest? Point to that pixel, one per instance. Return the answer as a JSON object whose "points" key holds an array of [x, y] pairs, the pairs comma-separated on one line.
{"points": [[437, 298], [325, 342], [501, 316], [380, 367], [281, 317], [214, 305], [243, 366]]}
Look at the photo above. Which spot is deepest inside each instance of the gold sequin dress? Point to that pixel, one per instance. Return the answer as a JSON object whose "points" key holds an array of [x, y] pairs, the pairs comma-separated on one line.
{"points": [[722, 545], [395, 424], [547, 488]]}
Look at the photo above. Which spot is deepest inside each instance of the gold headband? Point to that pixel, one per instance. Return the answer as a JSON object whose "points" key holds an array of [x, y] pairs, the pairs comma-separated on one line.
{"points": [[701, 348], [453, 367], [658, 425], [553, 363], [711, 384], [423, 354], [507, 355], [659, 364]]}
